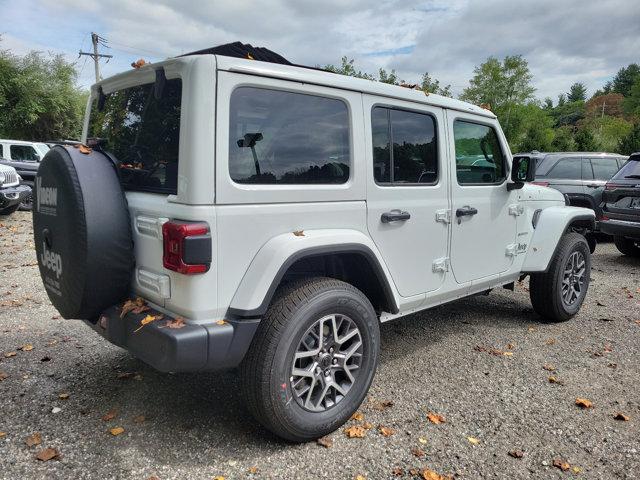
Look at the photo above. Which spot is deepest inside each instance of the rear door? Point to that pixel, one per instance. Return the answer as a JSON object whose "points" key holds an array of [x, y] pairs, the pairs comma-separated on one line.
{"points": [[407, 191], [622, 193]]}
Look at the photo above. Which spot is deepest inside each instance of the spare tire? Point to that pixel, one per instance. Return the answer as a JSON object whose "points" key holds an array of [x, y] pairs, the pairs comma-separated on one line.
{"points": [[82, 232]]}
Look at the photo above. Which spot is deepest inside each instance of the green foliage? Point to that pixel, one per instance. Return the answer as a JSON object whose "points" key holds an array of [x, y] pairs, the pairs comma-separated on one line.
{"points": [[563, 140], [577, 93], [608, 131], [348, 68], [631, 103], [432, 85], [531, 128], [585, 141], [625, 79], [631, 142], [390, 78], [568, 113], [39, 99]]}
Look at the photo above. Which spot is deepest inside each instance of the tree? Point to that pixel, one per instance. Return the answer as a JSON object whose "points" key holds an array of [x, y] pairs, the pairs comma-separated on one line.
{"points": [[562, 99], [630, 143], [39, 99], [577, 93], [608, 131], [432, 85], [585, 142], [347, 68], [631, 104], [390, 78], [625, 79], [563, 140], [548, 103], [609, 104], [531, 128]]}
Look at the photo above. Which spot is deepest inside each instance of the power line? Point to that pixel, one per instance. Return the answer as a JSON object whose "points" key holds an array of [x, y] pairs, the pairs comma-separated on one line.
{"points": [[95, 40]]}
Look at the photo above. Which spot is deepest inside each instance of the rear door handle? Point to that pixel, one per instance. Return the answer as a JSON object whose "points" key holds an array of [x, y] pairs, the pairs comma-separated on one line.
{"points": [[466, 211], [395, 216]]}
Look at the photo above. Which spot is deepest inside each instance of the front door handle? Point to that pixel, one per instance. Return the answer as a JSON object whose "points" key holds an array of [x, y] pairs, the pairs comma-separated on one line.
{"points": [[466, 211], [395, 216]]}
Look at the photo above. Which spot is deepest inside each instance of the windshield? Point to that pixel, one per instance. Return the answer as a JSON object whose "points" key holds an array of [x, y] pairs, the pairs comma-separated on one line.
{"points": [[631, 169], [140, 127]]}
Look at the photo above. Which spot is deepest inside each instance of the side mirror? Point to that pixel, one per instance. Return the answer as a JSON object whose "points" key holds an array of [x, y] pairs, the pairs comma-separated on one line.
{"points": [[523, 169]]}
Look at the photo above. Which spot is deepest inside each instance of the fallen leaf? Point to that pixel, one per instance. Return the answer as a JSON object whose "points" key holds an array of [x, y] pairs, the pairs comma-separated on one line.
{"points": [[511, 346], [148, 319], [138, 64], [549, 368], [358, 416], [397, 471], [326, 442], [252, 470], [298, 233], [576, 469], [555, 380], [417, 452], [383, 405], [360, 477], [584, 403], [139, 419], [56, 410], [27, 347], [176, 323], [473, 440], [110, 415], [3, 434], [10, 354], [63, 396], [431, 475], [516, 453], [507, 354], [621, 416], [551, 341], [3, 376], [367, 425], [561, 464], [355, 431], [130, 305], [221, 322], [84, 149], [116, 431], [435, 418], [47, 454], [422, 440], [35, 439], [386, 431]]}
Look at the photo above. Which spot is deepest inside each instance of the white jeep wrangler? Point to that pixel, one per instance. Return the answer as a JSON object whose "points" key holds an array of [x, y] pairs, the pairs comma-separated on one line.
{"points": [[270, 216]]}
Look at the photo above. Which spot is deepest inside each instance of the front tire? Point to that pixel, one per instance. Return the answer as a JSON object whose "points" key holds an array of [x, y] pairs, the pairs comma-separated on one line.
{"points": [[627, 246], [312, 359], [9, 210], [558, 293]]}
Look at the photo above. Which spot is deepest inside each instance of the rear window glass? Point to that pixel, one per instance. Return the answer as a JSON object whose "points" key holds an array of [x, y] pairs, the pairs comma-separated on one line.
{"points": [[604, 168], [569, 168], [631, 169], [141, 130], [278, 137]]}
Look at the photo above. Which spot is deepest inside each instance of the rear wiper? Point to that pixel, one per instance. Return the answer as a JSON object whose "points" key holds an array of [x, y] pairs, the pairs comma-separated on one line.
{"points": [[632, 176]]}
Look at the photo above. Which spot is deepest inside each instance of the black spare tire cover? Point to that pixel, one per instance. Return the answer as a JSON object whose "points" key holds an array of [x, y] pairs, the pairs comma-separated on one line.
{"points": [[82, 232]]}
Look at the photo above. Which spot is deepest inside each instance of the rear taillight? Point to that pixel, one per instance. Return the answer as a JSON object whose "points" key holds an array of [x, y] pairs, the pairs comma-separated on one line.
{"points": [[612, 186], [186, 247], [542, 184]]}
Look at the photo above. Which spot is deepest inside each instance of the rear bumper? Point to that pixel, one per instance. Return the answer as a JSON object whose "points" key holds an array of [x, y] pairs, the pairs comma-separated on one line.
{"points": [[194, 347], [10, 196], [620, 227]]}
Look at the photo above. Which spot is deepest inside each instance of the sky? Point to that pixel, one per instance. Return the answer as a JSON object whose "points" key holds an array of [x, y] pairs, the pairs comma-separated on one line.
{"points": [[564, 41]]}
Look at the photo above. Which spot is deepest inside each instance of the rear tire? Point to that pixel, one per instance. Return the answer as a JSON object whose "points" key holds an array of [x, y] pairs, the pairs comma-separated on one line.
{"points": [[558, 293], [9, 210], [297, 386], [627, 246]]}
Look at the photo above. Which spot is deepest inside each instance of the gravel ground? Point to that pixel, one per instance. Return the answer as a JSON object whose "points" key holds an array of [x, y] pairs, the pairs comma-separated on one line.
{"points": [[448, 361]]}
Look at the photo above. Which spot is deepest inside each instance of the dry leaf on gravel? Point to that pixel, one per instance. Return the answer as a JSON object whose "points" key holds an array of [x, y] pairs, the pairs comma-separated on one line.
{"points": [[48, 454], [417, 452], [386, 431], [435, 418], [10, 354], [355, 431], [110, 415], [431, 475], [148, 319], [367, 425], [34, 439], [219, 477], [555, 380], [360, 477], [116, 431], [3, 376], [561, 464], [357, 416], [383, 405], [139, 419], [516, 453], [27, 347], [473, 440], [621, 416], [422, 440], [3, 434], [551, 341], [326, 442], [252, 470], [397, 472], [584, 403], [549, 368], [63, 396]]}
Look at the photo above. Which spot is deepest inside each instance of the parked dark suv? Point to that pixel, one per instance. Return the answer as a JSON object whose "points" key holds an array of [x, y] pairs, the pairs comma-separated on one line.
{"points": [[621, 207], [580, 176]]}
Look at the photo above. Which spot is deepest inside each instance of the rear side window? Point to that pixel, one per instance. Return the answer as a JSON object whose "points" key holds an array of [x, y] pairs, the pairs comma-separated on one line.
{"points": [[141, 129], [604, 168], [414, 157], [568, 168], [479, 157], [631, 169], [23, 152], [279, 137]]}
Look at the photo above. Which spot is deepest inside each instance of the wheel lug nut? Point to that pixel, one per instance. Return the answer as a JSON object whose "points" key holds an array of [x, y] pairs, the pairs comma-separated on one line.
{"points": [[331, 350], [335, 361]]}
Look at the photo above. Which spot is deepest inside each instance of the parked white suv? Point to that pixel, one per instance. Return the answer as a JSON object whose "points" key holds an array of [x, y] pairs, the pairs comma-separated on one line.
{"points": [[271, 216], [22, 151]]}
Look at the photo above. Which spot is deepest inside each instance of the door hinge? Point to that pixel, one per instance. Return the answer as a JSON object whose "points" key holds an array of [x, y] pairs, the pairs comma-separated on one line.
{"points": [[516, 209], [440, 265], [443, 216], [514, 249]]}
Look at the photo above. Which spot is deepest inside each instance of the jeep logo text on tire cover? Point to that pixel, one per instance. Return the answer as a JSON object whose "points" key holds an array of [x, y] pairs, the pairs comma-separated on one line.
{"points": [[51, 260]]}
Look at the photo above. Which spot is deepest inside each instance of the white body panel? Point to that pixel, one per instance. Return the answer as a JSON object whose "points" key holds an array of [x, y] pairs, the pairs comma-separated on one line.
{"points": [[252, 225]]}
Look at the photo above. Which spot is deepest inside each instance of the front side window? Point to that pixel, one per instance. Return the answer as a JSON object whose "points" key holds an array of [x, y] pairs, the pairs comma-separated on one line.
{"points": [[279, 137], [479, 157], [24, 153], [140, 127], [569, 168], [604, 168], [414, 157]]}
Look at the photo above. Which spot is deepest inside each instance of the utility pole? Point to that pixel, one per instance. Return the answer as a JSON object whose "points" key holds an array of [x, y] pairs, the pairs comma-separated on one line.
{"points": [[95, 39]]}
